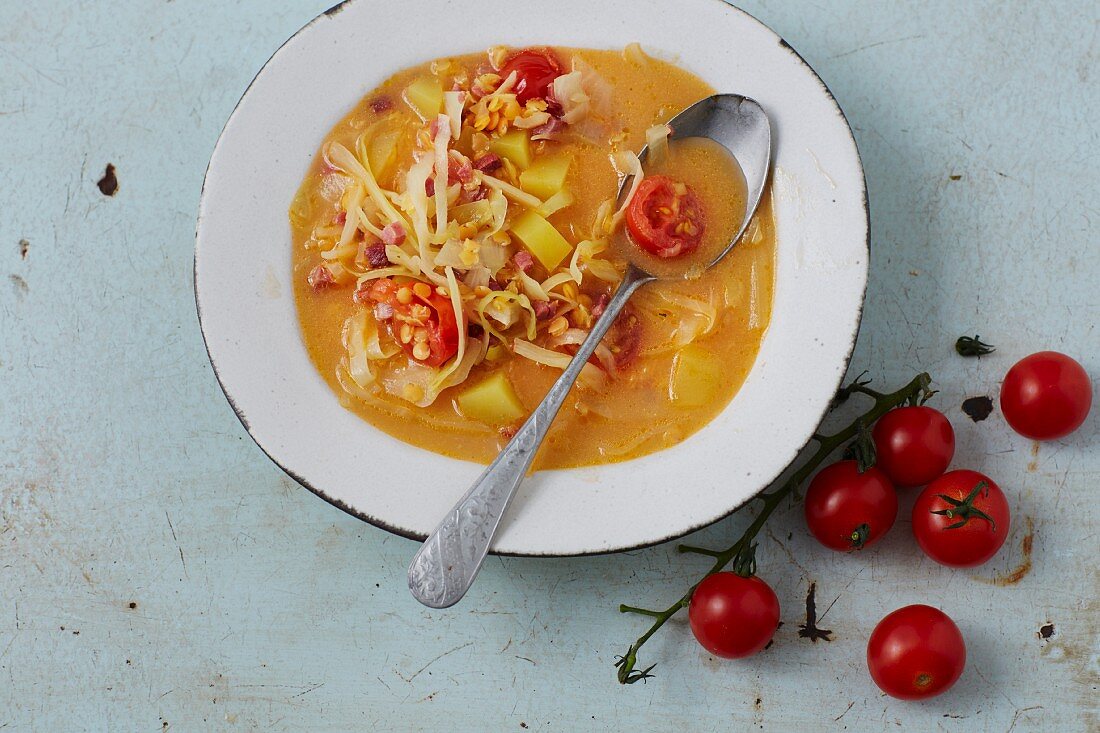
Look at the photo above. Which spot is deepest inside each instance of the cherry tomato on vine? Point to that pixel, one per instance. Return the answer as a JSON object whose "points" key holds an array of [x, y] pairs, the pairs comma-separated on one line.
{"points": [[961, 519], [733, 616], [665, 217], [916, 652], [913, 445], [1046, 396], [848, 510], [536, 69]]}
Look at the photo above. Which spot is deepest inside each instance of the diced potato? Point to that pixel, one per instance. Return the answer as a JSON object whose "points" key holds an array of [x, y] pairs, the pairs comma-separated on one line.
{"points": [[382, 153], [541, 239], [492, 401], [545, 177], [696, 377], [425, 96], [514, 146]]}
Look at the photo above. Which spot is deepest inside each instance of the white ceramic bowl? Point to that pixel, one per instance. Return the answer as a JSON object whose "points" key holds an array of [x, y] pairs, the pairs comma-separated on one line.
{"points": [[246, 307]]}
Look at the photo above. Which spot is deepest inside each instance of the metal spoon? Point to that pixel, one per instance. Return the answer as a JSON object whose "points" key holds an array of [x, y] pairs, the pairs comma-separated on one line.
{"points": [[447, 563]]}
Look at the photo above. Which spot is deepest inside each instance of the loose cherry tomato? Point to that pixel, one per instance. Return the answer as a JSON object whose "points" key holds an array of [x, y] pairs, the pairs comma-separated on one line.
{"points": [[913, 445], [665, 217], [535, 69], [916, 652], [733, 616], [1046, 396], [429, 311], [961, 519], [848, 510]]}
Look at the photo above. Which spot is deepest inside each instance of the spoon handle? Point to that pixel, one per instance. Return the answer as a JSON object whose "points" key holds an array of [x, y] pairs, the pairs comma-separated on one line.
{"points": [[448, 561]]}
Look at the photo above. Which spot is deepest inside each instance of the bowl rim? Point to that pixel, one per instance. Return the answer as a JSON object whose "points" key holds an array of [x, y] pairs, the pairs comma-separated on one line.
{"points": [[419, 537]]}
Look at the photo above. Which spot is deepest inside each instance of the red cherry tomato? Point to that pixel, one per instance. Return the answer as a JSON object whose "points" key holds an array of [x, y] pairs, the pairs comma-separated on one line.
{"points": [[733, 616], [961, 519], [665, 217], [913, 445], [848, 510], [435, 313], [1046, 396], [535, 69], [916, 652]]}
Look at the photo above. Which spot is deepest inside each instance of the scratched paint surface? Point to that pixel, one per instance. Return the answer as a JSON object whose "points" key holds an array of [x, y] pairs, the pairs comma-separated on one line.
{"points": [[157, 572]]}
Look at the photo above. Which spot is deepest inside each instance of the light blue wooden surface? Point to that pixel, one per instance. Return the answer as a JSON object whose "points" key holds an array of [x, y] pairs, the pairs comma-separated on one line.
{"points": [[158, 573]]}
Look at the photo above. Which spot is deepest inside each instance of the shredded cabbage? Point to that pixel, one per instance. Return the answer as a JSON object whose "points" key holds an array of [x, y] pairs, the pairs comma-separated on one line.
{"points": [[590, 376], [518, 195], [442, 167], [453, 105], [341, 158], [570, 94], [634, 54], [531, 287], [656, 140], [627, 163]]}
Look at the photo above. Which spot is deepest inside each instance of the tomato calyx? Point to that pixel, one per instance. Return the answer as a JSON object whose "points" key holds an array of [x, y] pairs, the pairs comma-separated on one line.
{"points": [[744, 563], [964, 509], [627, 674], [859, 536], [966, 346], [862, 450]]}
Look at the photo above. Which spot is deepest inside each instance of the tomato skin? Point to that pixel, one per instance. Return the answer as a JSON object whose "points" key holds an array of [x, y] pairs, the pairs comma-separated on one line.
{"points": [[656, 232], [913, 445], [733, 616], [916, 652], [441, 323], [442, 331], [976, 541], [1046, 396], [536, 69], [840, 501]]}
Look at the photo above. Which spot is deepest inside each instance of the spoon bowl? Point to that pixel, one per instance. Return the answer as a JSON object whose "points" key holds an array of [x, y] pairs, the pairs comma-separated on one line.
{"points": [[445, 566]]}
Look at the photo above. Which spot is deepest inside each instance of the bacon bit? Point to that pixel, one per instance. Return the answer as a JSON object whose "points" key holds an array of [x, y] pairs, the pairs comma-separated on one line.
{"points": [[437, 126], [429, 186], [474, 330], [488, 163], [626, 339], [461, 169], [600, 305], [553, 106], [382, 311], [379, 105], [494, 284], [544, 309], [320, 277], [523, 260], [340, 218], [477, 194], [376, 255], [549, 130], [508, 432], [393, 234]]}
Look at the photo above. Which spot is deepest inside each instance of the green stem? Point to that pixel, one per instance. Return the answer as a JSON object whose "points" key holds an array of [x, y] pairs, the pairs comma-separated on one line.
{"points": [[827, 445]]}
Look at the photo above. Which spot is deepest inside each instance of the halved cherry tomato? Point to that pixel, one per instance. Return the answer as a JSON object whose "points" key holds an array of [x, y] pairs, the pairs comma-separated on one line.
{"points": [[432, 312], [916, 652], [1046, 396], [913, 445], [733, 616], [961, 519], [665, 217], [535, 69]]}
